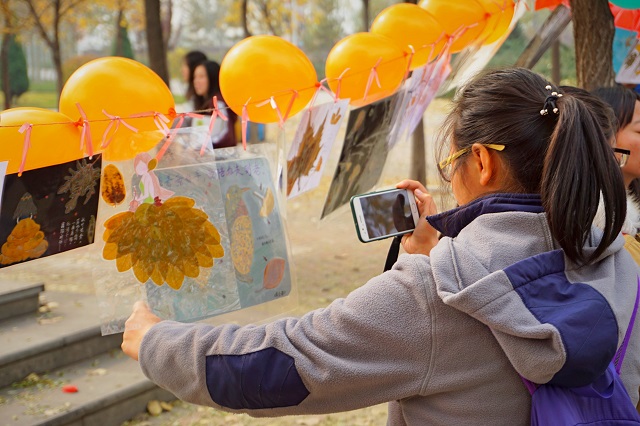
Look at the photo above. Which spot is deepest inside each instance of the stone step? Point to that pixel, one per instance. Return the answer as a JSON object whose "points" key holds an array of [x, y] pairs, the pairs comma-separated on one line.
{"points": [[41, 342], [111, 389], [18, 298]]}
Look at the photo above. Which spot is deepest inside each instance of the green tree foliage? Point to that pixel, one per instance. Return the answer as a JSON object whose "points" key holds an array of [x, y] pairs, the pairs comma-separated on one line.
{"points": [[122, 44], [18, 77]]}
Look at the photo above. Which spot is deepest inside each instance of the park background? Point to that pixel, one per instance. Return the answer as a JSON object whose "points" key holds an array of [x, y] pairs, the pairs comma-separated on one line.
{"points": [[45, 42]]}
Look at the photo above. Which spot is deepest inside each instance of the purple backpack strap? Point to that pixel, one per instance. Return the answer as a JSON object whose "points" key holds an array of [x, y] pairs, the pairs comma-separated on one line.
{"points": [[619, 357]]}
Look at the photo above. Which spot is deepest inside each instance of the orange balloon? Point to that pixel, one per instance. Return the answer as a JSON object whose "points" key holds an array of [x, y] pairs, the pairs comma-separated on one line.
{"points": [[121, 87], [499, 20], [260, 67], [464, 18], [56, 143], [355, 56], [409, 25]]}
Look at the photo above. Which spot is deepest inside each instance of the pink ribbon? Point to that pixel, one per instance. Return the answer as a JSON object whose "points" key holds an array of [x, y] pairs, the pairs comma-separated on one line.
{"points": [[215, 114], [26, 127], [372, 75], [117, 121], [181, 115], [171, 133], [245, 121], [413, 52], [281, 118], [340, 83], [86, 132], [320, 87], [159, 119]]}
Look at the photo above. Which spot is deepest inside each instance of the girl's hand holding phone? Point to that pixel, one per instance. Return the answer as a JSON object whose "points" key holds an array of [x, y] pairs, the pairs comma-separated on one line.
{"points": [[424, 237]]}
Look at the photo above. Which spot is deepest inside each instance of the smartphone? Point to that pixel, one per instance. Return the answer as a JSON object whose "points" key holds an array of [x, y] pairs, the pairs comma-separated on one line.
{"points": [[384, 214]]}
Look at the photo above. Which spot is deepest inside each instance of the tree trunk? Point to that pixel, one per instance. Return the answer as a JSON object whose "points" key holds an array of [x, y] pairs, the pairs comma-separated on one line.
{"points": [[155, 40], [593, 31], [52, 41], [4, 61], [4, 56], [418, 148], [166, 25], [57, 62], [56, 52], [118, 48], [418, 155], [245, 20], [365, 15]]}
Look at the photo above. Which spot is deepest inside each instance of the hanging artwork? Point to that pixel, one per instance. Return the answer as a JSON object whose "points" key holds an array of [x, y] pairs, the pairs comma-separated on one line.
{"points": [[48, 210], [426, 86], [629, 72], [412, 91], [363, 154], [256, 233], [312, 145], [196, 236]]}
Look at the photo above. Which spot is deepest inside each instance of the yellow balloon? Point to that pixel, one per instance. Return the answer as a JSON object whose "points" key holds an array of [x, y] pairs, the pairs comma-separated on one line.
{"points": [[465, 19], [260, 67], [124, 88], [354, 57], [55, 138], [500, 13], [411, 27]]}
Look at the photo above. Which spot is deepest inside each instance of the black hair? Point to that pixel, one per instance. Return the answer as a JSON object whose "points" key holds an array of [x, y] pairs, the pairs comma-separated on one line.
{"points": [[623, 102], [213, 75], [192, 59], [565, 157]]}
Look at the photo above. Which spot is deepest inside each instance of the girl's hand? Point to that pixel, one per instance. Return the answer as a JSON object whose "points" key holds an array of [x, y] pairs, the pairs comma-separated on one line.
{"points": [[140, 321], [424, 237]]}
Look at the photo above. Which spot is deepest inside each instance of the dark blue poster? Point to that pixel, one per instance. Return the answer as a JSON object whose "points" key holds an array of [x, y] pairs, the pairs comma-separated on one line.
{"points": [[49, 210]]}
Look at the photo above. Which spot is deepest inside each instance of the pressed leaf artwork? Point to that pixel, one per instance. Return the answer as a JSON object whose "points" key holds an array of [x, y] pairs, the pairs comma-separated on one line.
{"points": [[312, 145], [241, 232], [113, 188], [47, 211], [273, 272], [80, 182], [26, 241], [164, 242]]}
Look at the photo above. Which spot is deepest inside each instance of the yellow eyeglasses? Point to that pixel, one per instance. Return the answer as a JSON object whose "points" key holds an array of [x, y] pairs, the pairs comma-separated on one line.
{"points": [[445, 165], [622, 155]]}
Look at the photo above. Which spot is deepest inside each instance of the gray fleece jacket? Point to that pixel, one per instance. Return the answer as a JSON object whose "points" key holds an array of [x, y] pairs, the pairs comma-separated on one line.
{"points": [[418, 335]]}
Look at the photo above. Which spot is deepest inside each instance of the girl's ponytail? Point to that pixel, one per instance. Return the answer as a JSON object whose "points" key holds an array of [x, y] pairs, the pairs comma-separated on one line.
{"points": [[580, 169]]}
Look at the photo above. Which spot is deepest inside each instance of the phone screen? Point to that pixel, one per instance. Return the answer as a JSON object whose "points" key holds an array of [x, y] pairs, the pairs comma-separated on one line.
{"points": [[387, 213]]}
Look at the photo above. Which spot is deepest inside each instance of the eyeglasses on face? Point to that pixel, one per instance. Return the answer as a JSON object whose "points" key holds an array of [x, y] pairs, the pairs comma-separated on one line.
{"points": [[445, 166], [622, 155]]}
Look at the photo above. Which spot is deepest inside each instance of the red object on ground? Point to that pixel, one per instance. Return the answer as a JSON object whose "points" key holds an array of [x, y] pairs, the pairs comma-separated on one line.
{"points": [[70, 389]]}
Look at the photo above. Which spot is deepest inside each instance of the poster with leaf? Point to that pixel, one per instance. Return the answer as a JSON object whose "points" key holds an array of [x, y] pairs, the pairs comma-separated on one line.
{"points": [[364, 153], [312, 144], [49, 210], [195, 236]]}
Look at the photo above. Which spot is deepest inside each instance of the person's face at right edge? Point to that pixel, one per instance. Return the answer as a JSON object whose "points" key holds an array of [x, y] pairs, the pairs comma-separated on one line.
{"points": [[629, 138]]}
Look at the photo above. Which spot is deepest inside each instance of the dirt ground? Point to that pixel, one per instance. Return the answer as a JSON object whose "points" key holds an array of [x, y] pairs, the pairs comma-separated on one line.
{"points": [[329, 262]]}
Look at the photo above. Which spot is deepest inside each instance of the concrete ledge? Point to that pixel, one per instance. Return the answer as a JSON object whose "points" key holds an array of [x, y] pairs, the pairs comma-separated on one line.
{"points": [[40, 343], [18, 298], [117, 394]]}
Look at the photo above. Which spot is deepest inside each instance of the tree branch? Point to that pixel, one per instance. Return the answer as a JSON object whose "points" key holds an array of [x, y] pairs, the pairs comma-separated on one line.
{"points": [[38, 22]]}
